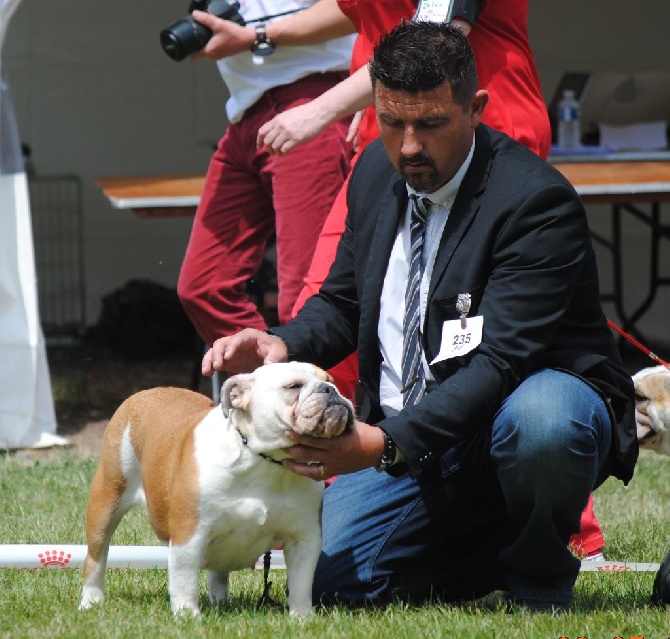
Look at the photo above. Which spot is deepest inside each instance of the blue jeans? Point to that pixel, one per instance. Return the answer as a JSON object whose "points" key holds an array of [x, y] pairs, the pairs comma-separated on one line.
{"points": [[495, 515]]}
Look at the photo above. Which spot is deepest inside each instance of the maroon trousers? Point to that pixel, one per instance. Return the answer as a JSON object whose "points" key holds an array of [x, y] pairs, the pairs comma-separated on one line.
{"points": [[248, 196]]}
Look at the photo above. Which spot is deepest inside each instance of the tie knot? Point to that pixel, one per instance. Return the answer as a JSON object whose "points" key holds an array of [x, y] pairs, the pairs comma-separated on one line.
{"points": [[419, 208]]}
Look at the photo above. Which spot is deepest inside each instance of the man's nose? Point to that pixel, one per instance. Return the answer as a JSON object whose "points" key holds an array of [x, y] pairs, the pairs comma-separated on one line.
{"points": [[411, 144]]}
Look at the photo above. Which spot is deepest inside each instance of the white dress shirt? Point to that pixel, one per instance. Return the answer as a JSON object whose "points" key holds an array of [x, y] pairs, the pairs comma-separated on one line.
{"points": [[392, 308]]}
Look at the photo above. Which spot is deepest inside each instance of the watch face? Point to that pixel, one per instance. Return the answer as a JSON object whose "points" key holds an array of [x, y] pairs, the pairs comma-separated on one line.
{"points": [[263, 48]]}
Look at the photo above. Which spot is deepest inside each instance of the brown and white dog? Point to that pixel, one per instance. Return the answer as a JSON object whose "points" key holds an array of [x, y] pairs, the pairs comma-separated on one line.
{"points": [[208, 477], [652, 417], [652, 408]]}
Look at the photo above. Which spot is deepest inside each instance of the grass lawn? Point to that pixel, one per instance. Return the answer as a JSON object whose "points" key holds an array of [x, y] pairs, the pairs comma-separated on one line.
{"points": [[44, 502]]}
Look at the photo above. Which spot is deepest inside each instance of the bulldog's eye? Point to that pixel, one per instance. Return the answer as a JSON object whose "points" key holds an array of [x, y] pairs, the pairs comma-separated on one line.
{"points": [[295, 386], [640, 398]]}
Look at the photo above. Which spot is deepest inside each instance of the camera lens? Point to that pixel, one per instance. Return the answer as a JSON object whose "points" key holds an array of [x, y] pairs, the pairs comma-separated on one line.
{"points": [[184, 37]]}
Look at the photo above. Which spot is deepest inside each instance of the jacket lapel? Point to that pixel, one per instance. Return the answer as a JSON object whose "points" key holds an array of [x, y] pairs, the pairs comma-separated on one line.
{"points": [[465, 206]]}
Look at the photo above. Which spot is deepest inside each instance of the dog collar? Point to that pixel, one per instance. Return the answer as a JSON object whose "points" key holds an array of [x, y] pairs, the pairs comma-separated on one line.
{"points": [[650, 434], [263, 455]]}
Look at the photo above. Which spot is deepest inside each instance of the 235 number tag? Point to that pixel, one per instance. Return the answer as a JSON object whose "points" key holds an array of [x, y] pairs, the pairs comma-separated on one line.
{"points": [[459, 338]]}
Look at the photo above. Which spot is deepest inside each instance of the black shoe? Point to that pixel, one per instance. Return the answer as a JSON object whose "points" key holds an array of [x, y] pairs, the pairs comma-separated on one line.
{"points": [[661, 593]]}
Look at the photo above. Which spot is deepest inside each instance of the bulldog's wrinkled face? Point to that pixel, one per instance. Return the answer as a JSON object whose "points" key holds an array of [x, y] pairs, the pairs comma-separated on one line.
{"points": [[652, 408], [290, 396]]}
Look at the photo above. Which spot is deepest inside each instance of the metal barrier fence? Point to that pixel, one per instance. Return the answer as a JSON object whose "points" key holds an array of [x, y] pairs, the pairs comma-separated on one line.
{"points": [[58, 236]]}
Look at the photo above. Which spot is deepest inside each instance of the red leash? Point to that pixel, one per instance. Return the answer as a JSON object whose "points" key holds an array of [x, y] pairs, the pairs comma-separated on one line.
{"points": [[637, 344]]}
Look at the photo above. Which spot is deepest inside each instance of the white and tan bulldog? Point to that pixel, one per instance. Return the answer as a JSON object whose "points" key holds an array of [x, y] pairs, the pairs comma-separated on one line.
{"points": [[652, 408], [211, 482]]}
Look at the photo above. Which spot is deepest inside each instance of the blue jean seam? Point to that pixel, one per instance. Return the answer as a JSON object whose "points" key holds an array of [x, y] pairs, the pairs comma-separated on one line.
{"points": [[399, 520]]}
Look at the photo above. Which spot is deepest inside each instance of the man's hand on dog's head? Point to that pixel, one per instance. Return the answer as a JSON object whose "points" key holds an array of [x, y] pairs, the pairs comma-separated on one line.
{"points": [[244, 352]]}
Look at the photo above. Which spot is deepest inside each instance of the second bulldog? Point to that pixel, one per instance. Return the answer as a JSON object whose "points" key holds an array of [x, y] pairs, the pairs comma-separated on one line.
{"points": [[213, 482], [652, 408]]}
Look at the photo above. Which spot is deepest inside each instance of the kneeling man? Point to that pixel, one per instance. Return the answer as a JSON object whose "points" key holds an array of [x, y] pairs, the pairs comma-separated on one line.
{"points": [[494, 400]]}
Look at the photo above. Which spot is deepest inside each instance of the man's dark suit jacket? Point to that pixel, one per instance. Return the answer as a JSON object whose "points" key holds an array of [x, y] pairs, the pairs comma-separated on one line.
{"points": [[517, 240]]}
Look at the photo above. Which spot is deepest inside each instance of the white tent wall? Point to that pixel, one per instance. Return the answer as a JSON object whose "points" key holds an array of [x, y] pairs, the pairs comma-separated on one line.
{"points": [[27, 416], [95, 95]]}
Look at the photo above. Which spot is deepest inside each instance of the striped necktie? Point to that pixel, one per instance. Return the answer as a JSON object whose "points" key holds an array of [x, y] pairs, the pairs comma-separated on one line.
{"points": [[413, 375]]}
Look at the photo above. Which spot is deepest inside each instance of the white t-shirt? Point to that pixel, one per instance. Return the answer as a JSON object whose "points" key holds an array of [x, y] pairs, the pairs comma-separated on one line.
{"points": [[247, 81]]}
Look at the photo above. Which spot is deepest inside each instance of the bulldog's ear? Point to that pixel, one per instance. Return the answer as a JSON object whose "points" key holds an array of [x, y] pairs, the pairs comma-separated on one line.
{"points": [[655, 387], [236, 393]]}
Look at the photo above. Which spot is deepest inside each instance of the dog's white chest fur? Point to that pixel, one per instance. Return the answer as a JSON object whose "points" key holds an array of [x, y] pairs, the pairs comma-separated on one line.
{"points": [[248, 503]]}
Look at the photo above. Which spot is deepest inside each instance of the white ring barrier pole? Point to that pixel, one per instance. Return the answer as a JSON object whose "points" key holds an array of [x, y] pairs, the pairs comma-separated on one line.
{"points": [[29, 556], [618, 566], [72, 556]]}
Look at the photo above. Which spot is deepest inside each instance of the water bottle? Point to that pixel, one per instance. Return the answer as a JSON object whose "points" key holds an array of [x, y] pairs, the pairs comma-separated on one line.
{"points": [[569, 122]]}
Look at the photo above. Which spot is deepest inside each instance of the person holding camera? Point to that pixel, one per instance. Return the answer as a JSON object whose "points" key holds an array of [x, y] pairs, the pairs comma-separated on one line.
{"points": [[273, 55]]}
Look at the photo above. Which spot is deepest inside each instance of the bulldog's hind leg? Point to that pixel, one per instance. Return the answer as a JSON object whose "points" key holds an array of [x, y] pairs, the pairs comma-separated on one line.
{"points": [[116, 488], [107, 505]]}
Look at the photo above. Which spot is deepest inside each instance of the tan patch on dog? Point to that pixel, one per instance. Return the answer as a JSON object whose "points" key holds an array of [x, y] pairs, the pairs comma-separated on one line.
{"points": [[165, 447], [324, 376]]}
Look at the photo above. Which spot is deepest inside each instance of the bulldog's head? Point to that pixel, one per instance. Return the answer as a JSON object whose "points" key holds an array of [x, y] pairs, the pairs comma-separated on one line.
{"points": [[290, 396], [652, 408]]}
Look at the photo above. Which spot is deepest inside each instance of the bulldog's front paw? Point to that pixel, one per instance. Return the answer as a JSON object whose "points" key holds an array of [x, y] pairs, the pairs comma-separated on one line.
{"points": [[302, 612], [91, 596], [185, 609]]}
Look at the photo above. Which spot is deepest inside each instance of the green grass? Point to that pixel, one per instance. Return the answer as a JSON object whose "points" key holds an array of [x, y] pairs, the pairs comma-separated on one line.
{"points": [[44, 502]]}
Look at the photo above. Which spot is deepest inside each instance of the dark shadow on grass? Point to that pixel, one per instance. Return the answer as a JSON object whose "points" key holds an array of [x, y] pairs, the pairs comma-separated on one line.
{"points": [[90, 380]]}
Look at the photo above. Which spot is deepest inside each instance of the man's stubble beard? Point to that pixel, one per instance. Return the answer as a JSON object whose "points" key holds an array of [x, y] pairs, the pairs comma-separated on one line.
{"points": [[424, 182]]}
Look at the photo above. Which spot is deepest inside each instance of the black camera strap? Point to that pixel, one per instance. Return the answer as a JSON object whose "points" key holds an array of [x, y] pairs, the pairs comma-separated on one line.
{"points": [[276, 15]]}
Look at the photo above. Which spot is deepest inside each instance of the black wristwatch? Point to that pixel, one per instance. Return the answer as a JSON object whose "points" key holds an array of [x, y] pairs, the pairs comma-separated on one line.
{"points": [[263, 45], [390, 453]]}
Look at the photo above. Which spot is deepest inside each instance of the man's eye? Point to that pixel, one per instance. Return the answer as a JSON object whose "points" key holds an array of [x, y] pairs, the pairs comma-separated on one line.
{"points": [[431, 124]]}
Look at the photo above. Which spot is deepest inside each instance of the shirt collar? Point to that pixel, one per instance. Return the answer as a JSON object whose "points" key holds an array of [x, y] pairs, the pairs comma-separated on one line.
{"points": [[446, 194]]}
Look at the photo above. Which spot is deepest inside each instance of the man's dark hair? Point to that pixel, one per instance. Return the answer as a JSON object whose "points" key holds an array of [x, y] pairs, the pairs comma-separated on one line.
{"points": [[421, 56]]}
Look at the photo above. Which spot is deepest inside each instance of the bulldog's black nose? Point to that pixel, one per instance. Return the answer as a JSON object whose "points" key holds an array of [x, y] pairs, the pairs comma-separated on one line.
{"points": [[325, 387]]}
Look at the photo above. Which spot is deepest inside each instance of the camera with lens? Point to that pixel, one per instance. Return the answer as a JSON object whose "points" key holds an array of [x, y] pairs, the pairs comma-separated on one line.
{"points": [[186, 36]]}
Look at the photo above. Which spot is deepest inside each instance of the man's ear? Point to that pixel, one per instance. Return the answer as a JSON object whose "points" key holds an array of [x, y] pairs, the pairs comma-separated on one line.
{"points": [[478, 106], [236, 393]]}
